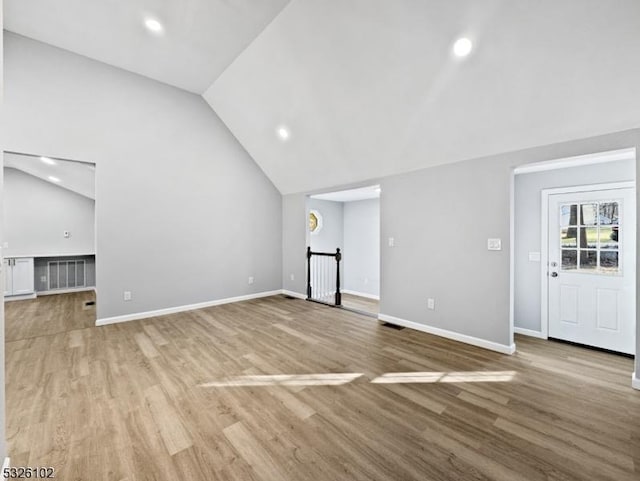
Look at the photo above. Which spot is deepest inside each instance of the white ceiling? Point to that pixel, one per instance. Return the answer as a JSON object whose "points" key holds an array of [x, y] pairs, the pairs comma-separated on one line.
{"points": [[351, 195], [369, 88], [78, 177], [202, 37]]}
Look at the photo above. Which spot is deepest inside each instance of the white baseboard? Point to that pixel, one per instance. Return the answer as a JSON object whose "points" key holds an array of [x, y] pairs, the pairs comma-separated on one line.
{"points": [[474, 341], [173, 310], [65, 291], [20, 298], [528, 332], [360, 294], [635, 382], [297, 295]]}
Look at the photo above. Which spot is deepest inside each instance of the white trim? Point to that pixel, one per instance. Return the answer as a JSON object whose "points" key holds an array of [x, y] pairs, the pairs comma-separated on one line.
{"points": [[297, 295], [627, 184], [577, 161], [635, 382], [65, 291], [544, 264], [15, 256], [544, 238], [475, 341], [360, 294], [6, 464], [529, 332], [512, 259], [20, 298], [189, 307]]}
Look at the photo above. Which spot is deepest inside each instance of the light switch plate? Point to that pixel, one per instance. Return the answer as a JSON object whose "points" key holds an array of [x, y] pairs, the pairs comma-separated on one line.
{"points": [[494, 244], [534, 256], [392, 242]]}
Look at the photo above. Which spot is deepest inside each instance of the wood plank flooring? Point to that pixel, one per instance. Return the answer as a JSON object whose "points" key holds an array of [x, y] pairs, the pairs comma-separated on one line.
{"points": [[47, 315], [277, 389], [360, 303]]}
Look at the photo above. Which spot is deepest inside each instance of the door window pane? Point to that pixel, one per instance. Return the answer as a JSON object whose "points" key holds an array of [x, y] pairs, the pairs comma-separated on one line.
{"points": [[608, 213], [589, 237], [569, 237], [609, 237], [609, 261], [588, 214], [568, 215], [588, 260], [569, 259]]}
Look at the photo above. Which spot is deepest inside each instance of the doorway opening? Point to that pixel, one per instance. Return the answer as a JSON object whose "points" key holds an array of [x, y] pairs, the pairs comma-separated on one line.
{"points": [[574, 251], [348, 220], [48, 245]]}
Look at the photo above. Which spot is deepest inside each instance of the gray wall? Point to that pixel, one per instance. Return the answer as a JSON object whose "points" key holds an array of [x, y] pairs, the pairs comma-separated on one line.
{"points": [[441, 218], [528, 189], [183, 213], [36, 214], [331, 235], [295, 238], [362, 246]]}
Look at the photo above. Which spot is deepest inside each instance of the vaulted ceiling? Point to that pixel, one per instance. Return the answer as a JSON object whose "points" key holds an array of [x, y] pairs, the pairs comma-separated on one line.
{"points": [[78, 177], [363, 89], [369, 88], [201, 38]]}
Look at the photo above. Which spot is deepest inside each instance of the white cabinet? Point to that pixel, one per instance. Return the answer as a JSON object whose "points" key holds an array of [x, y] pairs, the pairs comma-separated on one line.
{"points": [[18, 276]]}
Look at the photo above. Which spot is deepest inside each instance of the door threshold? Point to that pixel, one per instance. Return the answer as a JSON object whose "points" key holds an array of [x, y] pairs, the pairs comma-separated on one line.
{"points": [[593, 348]]}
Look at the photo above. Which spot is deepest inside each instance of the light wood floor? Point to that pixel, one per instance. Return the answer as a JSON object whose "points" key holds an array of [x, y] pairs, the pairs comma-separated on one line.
{"points": [[361, 303], [48, 315], [277, 390]]}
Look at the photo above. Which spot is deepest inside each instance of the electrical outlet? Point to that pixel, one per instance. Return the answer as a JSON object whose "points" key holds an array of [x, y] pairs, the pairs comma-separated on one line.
{"points": [[127, 295], [431, 304], [494, 244], [392, 242], [67, 234], [292, 277], [251, 280], [43, 278]]}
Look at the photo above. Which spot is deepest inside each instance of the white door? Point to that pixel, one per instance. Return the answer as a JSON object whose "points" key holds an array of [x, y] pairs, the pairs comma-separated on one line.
{"points": [[592, 250], [22, 276], [8, 277]]}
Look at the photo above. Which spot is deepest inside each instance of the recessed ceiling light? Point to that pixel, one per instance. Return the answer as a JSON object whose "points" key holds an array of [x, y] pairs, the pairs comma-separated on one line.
{"points": [[153, 25], [48, 161], [462, 47], [283, 133], [53, 179]]}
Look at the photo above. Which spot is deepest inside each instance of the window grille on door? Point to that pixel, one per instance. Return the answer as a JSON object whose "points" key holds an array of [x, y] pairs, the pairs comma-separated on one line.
{"points": [[323, 277], [66, 274]]}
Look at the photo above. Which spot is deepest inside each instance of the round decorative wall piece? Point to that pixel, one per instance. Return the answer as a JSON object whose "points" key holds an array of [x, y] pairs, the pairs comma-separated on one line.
{"points": [[315, 221]]}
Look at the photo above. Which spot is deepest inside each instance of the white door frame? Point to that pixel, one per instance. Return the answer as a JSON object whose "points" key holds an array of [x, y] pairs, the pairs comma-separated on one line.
{"points": [[544, 240], [552, 164]]}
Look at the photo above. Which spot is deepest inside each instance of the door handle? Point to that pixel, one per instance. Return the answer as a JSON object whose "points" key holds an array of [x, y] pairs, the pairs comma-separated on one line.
{"points": [[554, 274]]}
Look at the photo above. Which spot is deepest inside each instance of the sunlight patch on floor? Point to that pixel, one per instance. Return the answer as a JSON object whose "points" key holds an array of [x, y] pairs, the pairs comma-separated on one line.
{"points": [[330, 379], [433, 377], [335, 379]]}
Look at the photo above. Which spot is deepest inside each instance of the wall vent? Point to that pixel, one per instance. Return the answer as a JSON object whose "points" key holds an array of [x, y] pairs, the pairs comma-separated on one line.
{"points": [[66, 274]]}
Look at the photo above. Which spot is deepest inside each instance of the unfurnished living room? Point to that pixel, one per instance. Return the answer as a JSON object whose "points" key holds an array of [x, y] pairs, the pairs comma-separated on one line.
{"points": [[289, 240]]}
